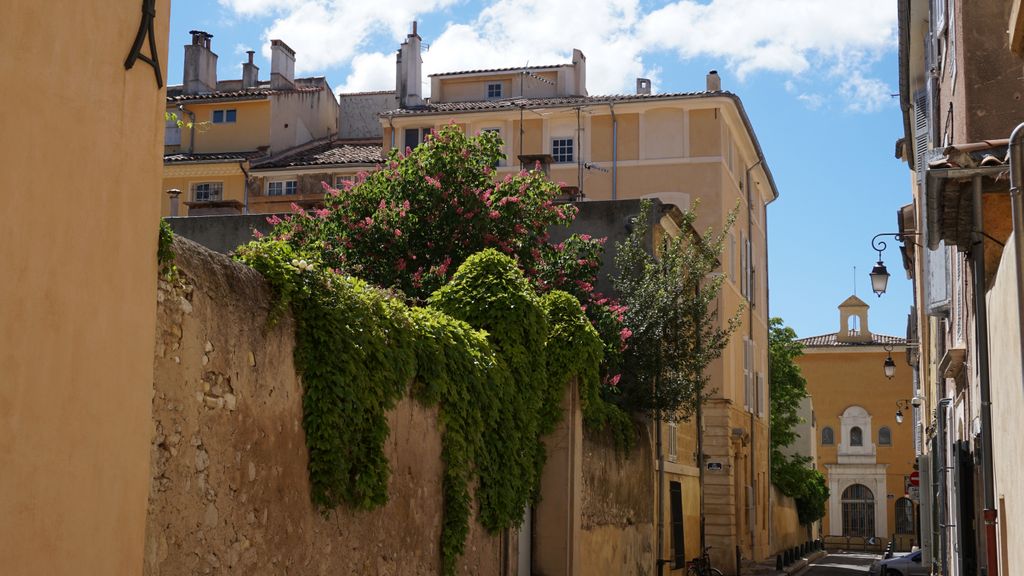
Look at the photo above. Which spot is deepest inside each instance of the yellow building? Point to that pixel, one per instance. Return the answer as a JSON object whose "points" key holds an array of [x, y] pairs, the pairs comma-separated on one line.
{"points": [[223, 128], [83, 84], [675, 147], [865, 429]]}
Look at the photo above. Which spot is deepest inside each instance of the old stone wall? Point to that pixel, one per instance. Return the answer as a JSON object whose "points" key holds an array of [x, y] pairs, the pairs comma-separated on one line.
{"points": [[229, 488], [617, 535]]}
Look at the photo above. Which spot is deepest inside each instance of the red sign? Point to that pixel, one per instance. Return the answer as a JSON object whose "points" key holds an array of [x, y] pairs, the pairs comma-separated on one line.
{"points": [[915, 478]]}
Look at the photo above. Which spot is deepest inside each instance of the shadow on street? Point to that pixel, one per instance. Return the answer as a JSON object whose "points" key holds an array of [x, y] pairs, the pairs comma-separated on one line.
{"points": [[842, 564]]}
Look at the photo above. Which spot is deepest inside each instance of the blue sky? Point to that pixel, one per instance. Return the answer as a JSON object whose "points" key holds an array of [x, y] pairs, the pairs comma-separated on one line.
{"points": [[816, 78]]}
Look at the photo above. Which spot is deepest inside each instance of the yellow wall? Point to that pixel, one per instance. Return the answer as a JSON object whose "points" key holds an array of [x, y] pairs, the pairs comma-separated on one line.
{"points": [[77, 302], [250, 131], [183, 176], [840, 378]]}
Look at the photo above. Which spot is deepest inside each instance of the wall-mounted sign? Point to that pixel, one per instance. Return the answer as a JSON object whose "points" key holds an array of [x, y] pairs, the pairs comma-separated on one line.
{"points": [[715, 466]]}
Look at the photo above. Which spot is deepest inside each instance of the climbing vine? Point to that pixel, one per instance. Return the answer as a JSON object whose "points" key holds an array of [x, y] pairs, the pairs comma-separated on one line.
{"points": [[164, 251], [490, 353]]}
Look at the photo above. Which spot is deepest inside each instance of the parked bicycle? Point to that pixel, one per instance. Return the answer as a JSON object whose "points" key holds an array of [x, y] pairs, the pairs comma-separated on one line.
{"points": [[702, 566]]}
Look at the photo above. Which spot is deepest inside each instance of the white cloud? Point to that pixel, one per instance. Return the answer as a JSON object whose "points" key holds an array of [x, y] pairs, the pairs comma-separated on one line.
{"points": [[241, 48], [771, 35], [808, 40], [370, 71], [329, 33], [812, 101]]}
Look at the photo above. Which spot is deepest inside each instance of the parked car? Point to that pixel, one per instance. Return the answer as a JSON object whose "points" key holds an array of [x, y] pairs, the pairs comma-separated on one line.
{"points": [[906, 565]]}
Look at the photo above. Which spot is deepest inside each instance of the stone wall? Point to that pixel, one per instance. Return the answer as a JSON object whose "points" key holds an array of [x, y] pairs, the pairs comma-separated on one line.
{"points": [[229, 489], [617, 535]]}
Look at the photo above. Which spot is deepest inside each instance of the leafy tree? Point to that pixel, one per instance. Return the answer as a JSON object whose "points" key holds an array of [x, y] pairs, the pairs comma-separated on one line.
{"points": [[792, 474], [669, 300]]}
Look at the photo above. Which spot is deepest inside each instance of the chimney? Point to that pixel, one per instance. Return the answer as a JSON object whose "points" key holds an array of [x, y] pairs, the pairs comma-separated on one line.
{"points": [[200, 72], [714, 81], [409, 71], [643, 86], [579, 68], [173, 194], [282, 65], [250, 72]]}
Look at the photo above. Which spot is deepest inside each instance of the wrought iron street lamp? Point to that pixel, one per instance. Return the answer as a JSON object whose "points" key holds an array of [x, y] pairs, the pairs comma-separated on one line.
{"points": [[889, 366], [879, 274], [902, 405]]}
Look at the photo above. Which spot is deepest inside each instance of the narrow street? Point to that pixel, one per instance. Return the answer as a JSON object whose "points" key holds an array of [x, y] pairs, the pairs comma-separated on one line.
{"points": [[842, 564]]}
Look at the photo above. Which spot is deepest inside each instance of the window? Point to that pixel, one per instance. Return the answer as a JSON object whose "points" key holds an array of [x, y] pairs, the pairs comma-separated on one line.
{"points": [[762, 398], [494, 90], [339, 181], [828, 437], [172, 133], [673, 448], [282, 188], [856, 436], [562, 149], [858, 511], [905, 516], [748, 374], [884, 436], [497, 131], [224, 116], [415, 136], [207, 191], [675, 492]]}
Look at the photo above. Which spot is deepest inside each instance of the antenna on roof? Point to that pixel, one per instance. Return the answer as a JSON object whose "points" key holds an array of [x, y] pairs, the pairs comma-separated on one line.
{"points": [[854, 280]]}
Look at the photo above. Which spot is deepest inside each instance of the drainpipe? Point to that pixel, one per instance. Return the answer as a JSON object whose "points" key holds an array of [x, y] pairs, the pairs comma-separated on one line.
{"points": [[191, 127], [750, 332], [990, 513], [659, 561], [615, 156], [943, 455], [1017, 207], [245, 187]]}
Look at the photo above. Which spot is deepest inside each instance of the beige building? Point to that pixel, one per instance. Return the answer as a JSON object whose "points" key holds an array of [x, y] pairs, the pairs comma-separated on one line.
{"points": [[678, 148], [959, 89], [865, 430], [228, 140], [83, 96]]}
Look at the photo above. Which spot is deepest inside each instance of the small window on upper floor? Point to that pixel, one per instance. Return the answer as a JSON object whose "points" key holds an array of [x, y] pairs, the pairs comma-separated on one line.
{"points": [[562, 150], [416, 136], [339, 180], [494, 90], [856, 436], [207, 191], [224, 116], [282, 188], [828, 437], [884, 436]]}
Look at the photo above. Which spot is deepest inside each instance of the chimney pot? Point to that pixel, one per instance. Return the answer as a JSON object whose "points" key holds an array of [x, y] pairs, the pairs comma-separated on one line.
{"points": [[714, 81], [643, 86], [414, 28], [199, 75], [251, 53]]}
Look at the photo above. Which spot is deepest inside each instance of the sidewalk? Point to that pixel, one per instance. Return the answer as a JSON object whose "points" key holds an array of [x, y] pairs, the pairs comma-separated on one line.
{"points": [[767, 567]]}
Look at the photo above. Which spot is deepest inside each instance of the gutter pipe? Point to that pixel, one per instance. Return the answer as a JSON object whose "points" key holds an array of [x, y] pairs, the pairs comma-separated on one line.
{"points": [[752, 518], [990, 513], [191, 128], [615, 155], [1017, 208]]}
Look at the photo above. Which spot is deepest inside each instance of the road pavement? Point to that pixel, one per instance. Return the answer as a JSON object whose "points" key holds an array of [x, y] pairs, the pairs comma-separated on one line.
{"points": [[842, 564]]}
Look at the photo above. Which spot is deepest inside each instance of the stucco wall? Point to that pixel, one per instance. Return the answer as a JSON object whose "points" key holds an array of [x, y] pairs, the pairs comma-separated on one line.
{"points": [[81, 167], [229, 486], [1007, 407], [787, 531], [357, 116]]}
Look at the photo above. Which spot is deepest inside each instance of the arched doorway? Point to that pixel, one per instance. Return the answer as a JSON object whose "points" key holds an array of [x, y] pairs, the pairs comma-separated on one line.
{"points": [[858, 511]]}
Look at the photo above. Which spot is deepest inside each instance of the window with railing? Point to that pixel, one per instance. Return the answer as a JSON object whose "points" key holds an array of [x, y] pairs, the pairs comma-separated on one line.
{"points": [[207, 191]]}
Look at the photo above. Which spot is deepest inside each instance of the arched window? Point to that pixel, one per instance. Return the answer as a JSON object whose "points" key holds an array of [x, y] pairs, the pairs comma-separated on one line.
{"points": [[856, 436], [884, 436], [858, 511], [828, 437], [904, 516]]}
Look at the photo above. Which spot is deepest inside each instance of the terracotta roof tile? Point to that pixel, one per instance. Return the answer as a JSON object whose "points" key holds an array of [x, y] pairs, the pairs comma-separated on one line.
{"points": [[313, 84], [512, 69], [514, 103], [832, 341], [329, 153], [180, 157]]}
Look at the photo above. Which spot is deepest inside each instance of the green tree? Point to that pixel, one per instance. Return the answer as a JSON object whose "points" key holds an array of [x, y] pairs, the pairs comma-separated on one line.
{"points": [[793, 475], [672, 313]]}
